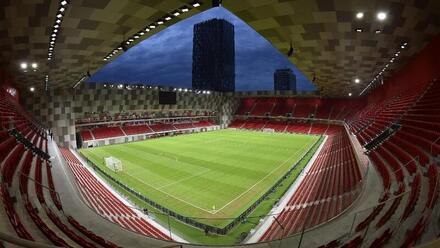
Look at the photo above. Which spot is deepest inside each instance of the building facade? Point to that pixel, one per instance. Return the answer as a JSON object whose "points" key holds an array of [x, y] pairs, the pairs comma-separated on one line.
{"points": [[284, 79], [214, 56]]}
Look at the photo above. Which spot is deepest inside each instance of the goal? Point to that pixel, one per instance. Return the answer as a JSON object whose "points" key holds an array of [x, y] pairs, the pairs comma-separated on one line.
{"points": [[113, 164], [271, 130]]}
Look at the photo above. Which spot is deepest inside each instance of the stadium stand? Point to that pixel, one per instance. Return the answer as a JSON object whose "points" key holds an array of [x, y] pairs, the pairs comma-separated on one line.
{"points": [[377, 171], [105, 132], [105, 203], [399, 158], [333, 195]]}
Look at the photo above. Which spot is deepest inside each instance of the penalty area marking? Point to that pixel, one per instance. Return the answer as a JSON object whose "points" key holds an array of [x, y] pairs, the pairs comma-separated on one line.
{"points": [[166, 193], [184, 179]]}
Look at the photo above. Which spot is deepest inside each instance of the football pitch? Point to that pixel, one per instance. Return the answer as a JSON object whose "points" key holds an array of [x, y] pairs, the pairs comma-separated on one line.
{"points": [[212, 176]]}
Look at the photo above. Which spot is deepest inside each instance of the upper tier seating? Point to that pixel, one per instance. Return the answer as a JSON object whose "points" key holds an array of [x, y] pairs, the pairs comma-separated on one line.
{"points": [[333, 109], [263, 106]]}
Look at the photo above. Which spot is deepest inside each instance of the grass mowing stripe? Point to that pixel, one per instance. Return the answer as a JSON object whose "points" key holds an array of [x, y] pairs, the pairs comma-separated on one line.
{"points": [[236, 161], [306, 146]]}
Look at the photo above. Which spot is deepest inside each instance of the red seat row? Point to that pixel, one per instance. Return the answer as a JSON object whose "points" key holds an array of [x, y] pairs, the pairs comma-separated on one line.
{"points": [[133, 129], [105, 203], [329, 187]]}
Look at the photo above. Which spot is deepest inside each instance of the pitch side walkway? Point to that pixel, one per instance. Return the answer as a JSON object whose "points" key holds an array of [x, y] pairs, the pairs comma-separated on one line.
{"points": [[267, 222]]}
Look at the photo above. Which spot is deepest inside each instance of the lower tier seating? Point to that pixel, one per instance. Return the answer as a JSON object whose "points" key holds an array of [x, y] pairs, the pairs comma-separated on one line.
{"points": [[133, 129], [329, 187], [105, 203]]}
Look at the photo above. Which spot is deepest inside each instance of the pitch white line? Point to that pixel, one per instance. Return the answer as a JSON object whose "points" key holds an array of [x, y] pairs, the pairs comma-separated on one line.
{"points": [[216, 211], [184, 179], [166, 193]]}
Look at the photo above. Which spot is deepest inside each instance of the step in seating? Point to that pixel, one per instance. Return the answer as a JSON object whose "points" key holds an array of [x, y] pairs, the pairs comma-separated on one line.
{"points": [[328, 188], [105, 203]]}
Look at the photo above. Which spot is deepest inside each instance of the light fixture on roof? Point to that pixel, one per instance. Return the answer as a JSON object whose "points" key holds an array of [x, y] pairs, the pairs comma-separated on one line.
{"points": [[377, 31], [402, 46], [167, 18], [177, 13], [195, 4], [141, 33], [63, 3], [360, 15], [23, 66], [59, 16], [152, 26], [56, 26], [136, 36], [397, 54], [147, 30], [58, 21], [46, 85], [62, 9], [54, 35], [34, 65], [105, 59], [185, 9], [357, 80], [159, 22], [381, 16], [349, 94], [359, 30], [32, 89], [55, 30]]}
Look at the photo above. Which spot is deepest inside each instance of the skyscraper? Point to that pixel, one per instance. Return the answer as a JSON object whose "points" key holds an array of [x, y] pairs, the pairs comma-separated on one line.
{"points": [[284, 79], [213, 56]]}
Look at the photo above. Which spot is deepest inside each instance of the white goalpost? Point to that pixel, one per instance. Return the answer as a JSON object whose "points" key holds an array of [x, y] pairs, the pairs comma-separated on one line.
{"points": [[113, 164], [270, 130]]}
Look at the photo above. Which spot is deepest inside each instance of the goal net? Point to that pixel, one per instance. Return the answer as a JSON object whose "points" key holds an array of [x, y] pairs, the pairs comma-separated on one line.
{"points": [[269, 130], [113, 164]]}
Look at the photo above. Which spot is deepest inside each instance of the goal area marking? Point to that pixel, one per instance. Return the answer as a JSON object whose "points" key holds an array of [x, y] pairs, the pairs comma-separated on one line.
{"points": [[113, 164]]}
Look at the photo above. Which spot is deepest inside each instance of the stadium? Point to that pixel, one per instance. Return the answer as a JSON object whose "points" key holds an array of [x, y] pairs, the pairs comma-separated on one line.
{"points": [[352, 163]]}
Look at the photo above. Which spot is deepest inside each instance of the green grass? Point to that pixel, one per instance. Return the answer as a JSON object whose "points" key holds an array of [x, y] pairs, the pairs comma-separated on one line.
{"points": [[212, 176]]}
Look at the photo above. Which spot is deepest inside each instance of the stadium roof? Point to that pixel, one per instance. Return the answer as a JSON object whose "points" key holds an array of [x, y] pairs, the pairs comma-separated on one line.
{"points": [[329, 42]]}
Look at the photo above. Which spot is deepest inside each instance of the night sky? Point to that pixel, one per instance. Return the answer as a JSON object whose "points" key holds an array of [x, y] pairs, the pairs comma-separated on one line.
{"points": [[166, 58]]}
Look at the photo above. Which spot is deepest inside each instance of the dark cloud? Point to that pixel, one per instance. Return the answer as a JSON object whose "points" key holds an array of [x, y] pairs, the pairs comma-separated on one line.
{"points": [[166, 58]]}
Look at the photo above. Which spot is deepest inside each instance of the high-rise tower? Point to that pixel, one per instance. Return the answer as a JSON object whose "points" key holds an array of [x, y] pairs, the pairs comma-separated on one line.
{"points": [[213, 56]]}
